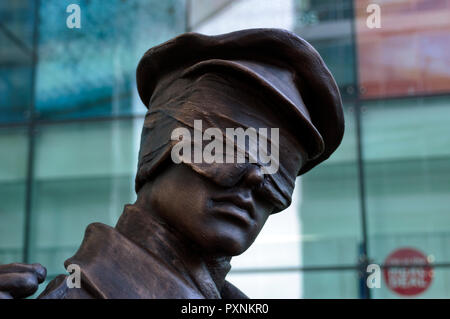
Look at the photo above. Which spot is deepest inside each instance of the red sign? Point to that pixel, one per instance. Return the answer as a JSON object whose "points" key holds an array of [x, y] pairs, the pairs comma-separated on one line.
{"points": [[408, 281]]}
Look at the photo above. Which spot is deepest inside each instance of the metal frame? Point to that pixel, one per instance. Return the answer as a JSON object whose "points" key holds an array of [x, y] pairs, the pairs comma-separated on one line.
{"points": [[31, 138], [364, 257]]}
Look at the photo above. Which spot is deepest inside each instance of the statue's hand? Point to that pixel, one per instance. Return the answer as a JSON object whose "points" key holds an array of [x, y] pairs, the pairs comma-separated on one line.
{"points": [[20, 280]]}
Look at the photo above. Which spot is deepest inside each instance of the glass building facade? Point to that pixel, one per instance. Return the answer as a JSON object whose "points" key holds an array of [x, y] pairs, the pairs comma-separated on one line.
{"points": [[70, 121]]}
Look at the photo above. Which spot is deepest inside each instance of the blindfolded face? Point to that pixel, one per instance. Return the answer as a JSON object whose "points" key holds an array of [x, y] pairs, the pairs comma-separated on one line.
{"points": [[220, 104]]}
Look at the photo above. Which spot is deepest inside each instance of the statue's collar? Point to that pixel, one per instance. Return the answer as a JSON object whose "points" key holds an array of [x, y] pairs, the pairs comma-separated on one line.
{"points": [[158, 238], [142, 258]]}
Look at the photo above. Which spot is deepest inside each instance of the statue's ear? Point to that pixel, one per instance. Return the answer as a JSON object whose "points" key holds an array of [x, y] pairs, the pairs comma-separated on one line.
{"points": [[162, 167], [146, 176]]}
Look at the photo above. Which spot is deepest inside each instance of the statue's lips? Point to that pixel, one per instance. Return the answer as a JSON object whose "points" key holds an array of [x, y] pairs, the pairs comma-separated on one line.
{"points": [[236, 206]]}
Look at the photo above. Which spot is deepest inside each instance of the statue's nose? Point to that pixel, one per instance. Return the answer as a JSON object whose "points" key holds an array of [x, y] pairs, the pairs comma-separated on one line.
{"points": [[254, 176]]}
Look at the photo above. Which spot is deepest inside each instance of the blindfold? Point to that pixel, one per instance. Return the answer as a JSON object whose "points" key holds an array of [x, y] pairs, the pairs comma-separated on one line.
{"points": [[220, 101]]}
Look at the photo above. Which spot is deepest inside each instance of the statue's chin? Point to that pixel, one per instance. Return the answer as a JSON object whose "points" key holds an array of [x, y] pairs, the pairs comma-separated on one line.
{"points": [[224, 243]]}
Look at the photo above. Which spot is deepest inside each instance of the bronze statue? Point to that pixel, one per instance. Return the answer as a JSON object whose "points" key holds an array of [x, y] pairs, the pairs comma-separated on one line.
{"points": [[191, 216]]}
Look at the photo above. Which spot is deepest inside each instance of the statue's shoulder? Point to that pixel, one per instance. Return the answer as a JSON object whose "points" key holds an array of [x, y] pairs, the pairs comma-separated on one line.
{"points": [[58, 289]]}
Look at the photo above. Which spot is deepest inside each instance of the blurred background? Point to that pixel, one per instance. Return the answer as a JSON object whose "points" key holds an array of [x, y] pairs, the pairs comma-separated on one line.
{"points": [[70, 122]]}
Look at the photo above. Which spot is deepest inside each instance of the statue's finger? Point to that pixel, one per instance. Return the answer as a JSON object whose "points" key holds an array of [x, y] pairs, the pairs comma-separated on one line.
{"points": [[40, 271], [36, 269], [16, 267], [5, 295], [19, 285]]}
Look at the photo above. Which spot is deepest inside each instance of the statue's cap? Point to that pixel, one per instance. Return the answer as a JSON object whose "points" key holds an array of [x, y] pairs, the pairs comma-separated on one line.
{"points": [[283, 64]]}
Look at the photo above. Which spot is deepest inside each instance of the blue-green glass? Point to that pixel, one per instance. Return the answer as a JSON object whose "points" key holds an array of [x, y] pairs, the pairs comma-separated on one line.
{"points": [[339, 58], [18, 17], [406, 148], [313, 12], [330, 225], [13, 169], [327, 25], [90, 71], [330, 284], [329, 210], [16, 47], [84, 173]]}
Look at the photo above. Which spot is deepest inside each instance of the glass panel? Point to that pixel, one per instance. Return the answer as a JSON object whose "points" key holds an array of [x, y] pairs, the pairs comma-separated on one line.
{"points": [[273, 285], [201, 10], [248, 14], [313, 12], [327, 25], [13, 168], [330, 284], [297, 284], [90, 71], [337, 52], [329, 206], [17, 19], [84, 173], [410, 53], [406, 149]]}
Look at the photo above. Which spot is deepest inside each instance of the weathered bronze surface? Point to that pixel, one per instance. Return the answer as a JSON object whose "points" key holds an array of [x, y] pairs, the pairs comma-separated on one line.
{"points": [[189, 219]]}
